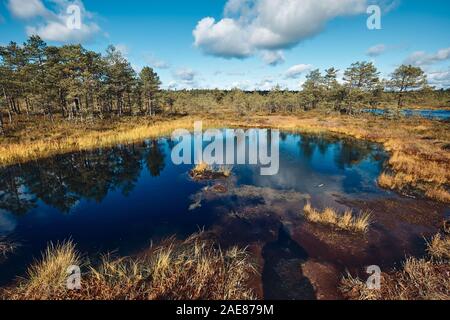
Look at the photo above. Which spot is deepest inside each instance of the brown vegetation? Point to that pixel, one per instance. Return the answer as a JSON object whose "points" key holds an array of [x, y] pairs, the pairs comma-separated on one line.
{"points": [[419, 279], [345, 221], [192, 269], [203, 171]]}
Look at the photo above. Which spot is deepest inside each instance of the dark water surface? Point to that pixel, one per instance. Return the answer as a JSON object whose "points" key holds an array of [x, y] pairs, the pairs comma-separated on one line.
{"points": [[122, 198]]}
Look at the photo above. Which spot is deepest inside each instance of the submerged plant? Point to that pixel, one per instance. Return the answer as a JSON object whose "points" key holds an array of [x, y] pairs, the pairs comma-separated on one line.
{"points": [[6, 247]]}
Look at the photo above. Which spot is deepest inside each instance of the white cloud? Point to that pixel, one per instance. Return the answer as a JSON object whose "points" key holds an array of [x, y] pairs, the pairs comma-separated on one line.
{"points": [[273, 58], [249, 26], [439, 79], [421, 58], [265, 84], [51, 24], [297, 70], [223, 38], [26, 9], [376, 50], [185, 74]]}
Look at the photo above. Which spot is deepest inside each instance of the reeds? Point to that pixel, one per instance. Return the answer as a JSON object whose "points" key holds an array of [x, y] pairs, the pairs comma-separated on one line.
{"points": [[188, 270], [345, 221], [439, 247]]}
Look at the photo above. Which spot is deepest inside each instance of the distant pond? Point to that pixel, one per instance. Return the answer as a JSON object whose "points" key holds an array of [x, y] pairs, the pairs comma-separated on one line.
{"points": [[123, 198], [428, 114]]}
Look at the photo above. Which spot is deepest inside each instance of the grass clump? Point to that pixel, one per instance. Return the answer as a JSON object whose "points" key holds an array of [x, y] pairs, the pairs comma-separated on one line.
{"points": [[439, 247], [204, 171], [46, 278], [187, 270], [345, 221], [419, 279]]}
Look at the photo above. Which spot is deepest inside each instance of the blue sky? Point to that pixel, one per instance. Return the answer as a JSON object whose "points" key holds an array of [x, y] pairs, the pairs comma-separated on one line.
{"points": [[245, 43]]}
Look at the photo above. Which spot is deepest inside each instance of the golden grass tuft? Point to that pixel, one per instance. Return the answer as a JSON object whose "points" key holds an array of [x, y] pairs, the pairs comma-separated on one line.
{"points": [[438, 193], [204, 171], [439, 247], [345, 221], [419, 279], [47, 277], [188, 270], [201, 168]]}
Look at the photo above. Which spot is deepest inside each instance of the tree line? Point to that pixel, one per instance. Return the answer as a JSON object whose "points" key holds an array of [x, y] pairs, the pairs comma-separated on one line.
{"points": [[78, 84], [71, 81]]}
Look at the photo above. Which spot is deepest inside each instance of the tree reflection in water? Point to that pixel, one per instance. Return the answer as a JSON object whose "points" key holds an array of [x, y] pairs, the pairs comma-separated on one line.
{"points": [[64, 180]]}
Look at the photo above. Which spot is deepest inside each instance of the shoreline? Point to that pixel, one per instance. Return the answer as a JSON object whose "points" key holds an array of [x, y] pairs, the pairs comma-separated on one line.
{"points": [[419, 160]]}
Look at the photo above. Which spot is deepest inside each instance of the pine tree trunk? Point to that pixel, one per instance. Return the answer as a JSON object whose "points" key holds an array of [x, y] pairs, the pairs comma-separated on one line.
{"points": [[2, 130]]}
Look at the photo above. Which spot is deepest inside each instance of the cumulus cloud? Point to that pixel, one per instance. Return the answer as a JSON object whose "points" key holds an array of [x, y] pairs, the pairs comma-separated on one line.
{"points": [[439, 79], [249, 26], [185, 78], [376, 50], [52, 24], [297, 70], [26, 9], [273, 58], [185, 74], [421, 58]]}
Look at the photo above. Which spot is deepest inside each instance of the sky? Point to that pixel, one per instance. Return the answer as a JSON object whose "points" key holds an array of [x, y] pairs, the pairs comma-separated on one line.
{"points": [[249, 44]]}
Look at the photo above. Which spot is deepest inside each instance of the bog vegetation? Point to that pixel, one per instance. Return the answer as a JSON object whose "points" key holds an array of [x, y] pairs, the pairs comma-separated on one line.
{"points": [[418, 279], [345, 221], [174, 270]]}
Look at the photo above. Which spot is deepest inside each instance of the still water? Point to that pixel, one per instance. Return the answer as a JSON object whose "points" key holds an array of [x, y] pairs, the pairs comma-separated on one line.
{"points": [[442, 115], [123, 198]]}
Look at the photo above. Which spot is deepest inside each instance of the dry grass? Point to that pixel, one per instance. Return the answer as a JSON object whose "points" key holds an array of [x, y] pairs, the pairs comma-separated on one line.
{"points": [[345, 221], [204, 171], [47, 277], [201, 168], [192, 269], [419, 279], [64, 137], [439, 247]]}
